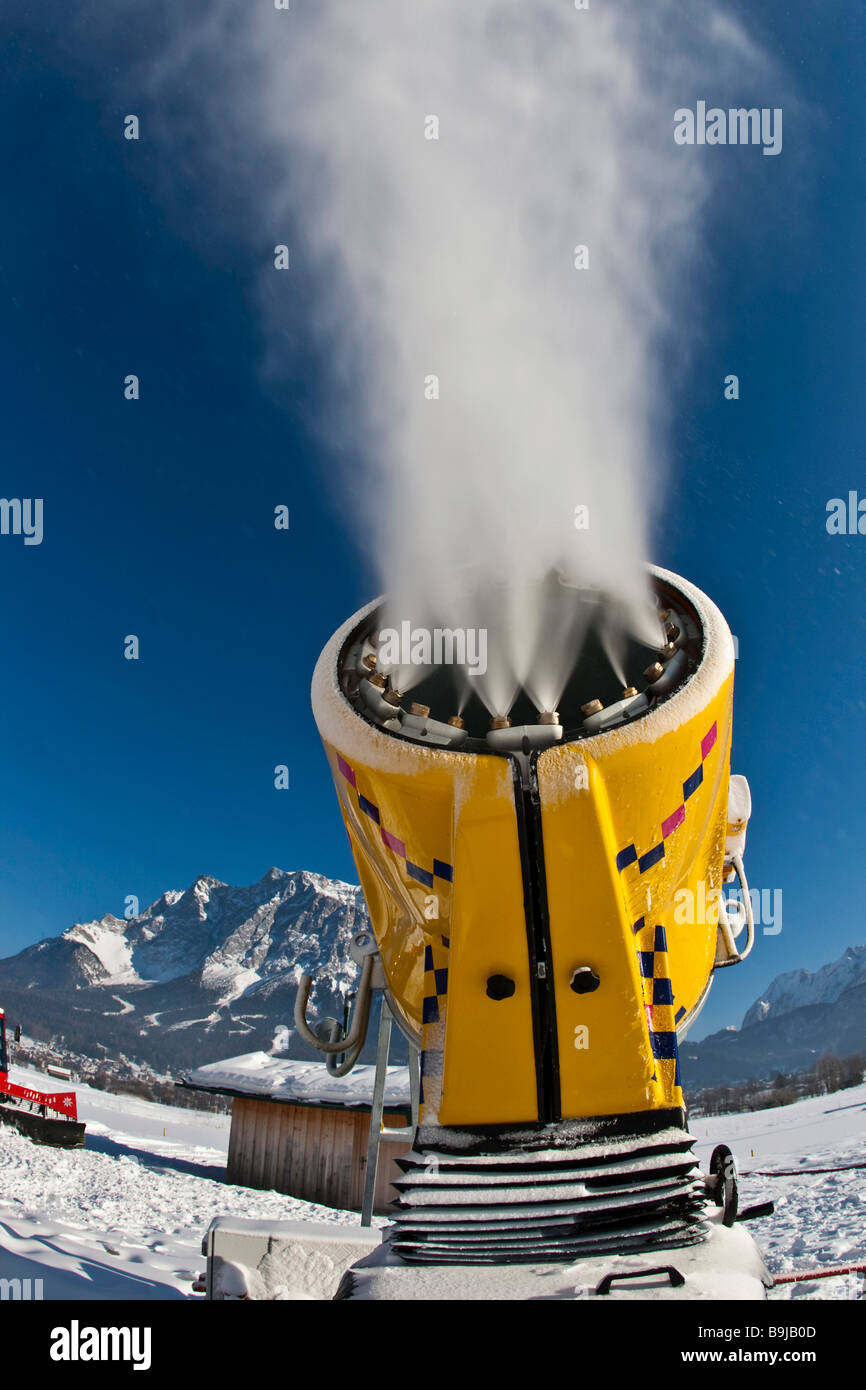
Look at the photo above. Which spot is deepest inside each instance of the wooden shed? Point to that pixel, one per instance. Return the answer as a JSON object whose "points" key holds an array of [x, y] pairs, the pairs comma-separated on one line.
{"points": [[297, 1130]]}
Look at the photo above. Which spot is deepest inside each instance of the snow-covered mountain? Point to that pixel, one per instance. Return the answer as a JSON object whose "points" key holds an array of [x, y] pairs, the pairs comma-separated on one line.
{"points": [[231, 937], [799, 988], [799, 1017], [212, 972], [198, 975]]}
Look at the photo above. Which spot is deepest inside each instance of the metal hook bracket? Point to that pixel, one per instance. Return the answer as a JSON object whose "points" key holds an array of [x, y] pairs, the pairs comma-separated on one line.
{"points": [[339, 1040]]}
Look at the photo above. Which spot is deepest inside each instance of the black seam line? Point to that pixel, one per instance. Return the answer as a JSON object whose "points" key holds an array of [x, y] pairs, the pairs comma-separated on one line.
{"points": [[542, 992]]}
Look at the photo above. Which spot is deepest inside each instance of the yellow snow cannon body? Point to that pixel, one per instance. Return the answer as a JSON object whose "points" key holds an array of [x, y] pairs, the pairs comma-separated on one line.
{"points": [[530, 898]]}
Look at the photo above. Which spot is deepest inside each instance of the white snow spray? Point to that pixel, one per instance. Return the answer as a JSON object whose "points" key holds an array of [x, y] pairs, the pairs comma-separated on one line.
{"points": [[492, 227]]}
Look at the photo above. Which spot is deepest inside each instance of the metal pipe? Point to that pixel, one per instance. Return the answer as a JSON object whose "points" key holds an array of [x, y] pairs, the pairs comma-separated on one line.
{"points": [[617, 713], [673, 672], [376, 1111], [359, 1022], [448, 735], [415, 1081], [335, 1068], [524, 736]]}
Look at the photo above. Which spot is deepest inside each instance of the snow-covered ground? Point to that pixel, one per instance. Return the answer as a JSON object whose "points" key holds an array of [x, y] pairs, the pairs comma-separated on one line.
{"points": [[124, 1218], [820, 1218]]}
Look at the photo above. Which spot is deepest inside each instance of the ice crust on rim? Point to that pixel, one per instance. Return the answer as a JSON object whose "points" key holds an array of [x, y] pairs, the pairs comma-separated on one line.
{"points": [[341, 725]]}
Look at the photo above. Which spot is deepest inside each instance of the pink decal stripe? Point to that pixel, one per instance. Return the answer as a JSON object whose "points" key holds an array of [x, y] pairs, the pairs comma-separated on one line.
{"points": [[629, 854], [393, 843], [416, 871], [346, 771], [673, 821], [707, 741]]}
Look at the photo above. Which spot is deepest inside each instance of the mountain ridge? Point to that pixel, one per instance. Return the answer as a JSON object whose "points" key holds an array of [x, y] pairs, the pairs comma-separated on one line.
{"points": [[212, 970], [796, 989], [215, 962], [799, 1017]]}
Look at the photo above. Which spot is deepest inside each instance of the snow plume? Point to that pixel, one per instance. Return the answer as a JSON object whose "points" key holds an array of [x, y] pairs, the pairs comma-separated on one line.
{"points": [[492, 227]]}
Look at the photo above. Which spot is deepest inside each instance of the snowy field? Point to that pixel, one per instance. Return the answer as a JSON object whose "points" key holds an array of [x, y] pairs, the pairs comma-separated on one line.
{"points": [[820, 1219], [124, 1218]]}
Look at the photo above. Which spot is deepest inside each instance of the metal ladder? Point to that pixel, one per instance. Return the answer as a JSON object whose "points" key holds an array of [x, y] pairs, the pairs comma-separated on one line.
{"points": [[377, 1134]]}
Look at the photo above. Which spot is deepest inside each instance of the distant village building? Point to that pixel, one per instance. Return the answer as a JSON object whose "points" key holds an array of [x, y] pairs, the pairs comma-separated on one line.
{"points": [[297, 1130]]}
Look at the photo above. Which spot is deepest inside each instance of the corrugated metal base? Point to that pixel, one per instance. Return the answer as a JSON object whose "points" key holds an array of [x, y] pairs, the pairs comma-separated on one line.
{"points": [[628, 1194]]}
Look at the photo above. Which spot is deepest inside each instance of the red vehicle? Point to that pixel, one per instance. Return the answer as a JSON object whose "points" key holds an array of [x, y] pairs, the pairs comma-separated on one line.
{"points": [[45, 1118]]}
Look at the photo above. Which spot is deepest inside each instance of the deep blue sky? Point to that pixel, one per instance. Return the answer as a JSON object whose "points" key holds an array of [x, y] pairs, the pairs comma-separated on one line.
{"points": [[126, 777]]}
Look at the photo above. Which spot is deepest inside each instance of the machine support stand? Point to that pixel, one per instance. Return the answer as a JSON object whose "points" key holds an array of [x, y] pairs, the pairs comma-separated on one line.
{"points": [[386, 1018]]}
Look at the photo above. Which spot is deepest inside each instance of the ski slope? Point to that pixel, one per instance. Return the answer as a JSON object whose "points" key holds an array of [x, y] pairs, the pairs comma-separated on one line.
{"points": [[820, 1219], [124, 1218]]}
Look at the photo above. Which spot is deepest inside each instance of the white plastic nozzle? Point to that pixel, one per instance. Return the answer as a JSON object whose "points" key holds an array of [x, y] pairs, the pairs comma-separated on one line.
{"points": [[739, 811]]}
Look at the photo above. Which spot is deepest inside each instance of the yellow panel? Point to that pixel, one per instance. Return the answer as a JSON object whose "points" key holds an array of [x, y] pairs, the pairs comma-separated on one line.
{"points": [[607, 798], [457, 811], [399, 826], [489, 1054], [419, 819], [605, 1070]]}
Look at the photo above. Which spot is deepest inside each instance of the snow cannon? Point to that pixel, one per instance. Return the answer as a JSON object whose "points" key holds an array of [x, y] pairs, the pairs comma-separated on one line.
{"points": [[27, 1110], [547, 894]]}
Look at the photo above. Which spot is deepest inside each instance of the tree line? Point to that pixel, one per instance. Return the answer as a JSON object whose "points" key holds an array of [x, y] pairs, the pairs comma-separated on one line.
{"points": [[119, 1075], [829, 1073]]}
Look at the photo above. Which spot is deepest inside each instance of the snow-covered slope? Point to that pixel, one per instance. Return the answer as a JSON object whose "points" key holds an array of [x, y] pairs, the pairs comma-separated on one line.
{"points": [[820, 1218], [124, 1218]]}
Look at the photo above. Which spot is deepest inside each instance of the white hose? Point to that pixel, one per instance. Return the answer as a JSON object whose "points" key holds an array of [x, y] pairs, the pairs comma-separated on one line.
{"points": [[736, 861]]}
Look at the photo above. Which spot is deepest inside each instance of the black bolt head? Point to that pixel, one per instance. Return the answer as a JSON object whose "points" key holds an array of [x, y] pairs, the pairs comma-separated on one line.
{"points": [[584, 980]]}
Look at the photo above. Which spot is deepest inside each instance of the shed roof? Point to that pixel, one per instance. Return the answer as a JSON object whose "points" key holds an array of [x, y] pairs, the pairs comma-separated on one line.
{"points": [[290, 1081]]}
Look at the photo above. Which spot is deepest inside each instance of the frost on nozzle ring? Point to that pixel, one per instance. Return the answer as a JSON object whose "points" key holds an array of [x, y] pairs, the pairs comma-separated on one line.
{"points": [[408, 679]]}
